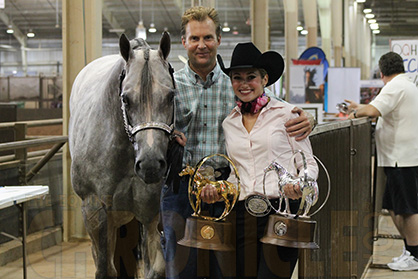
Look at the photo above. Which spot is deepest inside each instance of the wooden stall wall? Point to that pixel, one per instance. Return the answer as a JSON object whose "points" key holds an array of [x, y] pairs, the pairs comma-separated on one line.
{"points": [[345, 223]]}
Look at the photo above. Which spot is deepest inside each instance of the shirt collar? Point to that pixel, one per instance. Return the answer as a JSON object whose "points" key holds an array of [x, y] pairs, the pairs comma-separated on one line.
{"points": [[211, 78], [271, 105]]}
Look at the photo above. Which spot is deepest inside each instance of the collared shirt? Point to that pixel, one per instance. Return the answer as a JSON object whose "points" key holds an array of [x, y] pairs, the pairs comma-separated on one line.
{"points": [[200, 109], [397, 128], [267, 141]]}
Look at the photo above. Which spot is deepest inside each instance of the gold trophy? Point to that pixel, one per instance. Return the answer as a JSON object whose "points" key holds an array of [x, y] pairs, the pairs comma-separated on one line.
{"points": [[206, 232], [284, 228]]}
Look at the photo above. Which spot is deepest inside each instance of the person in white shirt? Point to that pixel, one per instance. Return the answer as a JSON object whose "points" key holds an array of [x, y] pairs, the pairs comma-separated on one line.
{"points": [[397, 152], [255, 135]]}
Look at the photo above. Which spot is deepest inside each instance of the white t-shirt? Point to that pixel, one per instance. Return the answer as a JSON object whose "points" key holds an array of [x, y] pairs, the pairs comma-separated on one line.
{"points": [[397, 128]]}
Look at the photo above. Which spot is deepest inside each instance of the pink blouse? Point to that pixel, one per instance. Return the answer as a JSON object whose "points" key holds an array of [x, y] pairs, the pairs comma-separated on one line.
{"points": [[268, 140]]}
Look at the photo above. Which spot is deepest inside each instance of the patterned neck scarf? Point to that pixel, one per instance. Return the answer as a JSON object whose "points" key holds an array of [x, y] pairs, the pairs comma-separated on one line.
{"points": [[255, 105]]}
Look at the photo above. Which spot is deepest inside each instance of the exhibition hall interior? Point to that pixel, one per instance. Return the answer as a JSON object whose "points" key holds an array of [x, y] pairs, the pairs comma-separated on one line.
{"points": [[331, 50]]}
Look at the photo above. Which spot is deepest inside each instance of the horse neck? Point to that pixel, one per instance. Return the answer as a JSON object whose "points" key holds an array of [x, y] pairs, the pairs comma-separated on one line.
{"points": [[111, 100]]}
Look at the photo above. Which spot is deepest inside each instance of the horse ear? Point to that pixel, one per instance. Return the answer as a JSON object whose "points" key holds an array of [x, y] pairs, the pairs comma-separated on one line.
{"points": [[125, 47], [165, 45]]}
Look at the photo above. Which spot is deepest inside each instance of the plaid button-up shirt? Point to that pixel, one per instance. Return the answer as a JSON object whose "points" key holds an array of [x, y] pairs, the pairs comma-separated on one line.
{"points": [[200, 109]]}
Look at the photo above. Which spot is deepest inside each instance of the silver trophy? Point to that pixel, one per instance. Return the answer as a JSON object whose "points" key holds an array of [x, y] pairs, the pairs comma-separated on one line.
{"points": [[285, 228]]}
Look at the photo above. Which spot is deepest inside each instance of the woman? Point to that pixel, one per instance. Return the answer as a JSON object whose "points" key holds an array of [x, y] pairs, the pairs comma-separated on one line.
{"points": [[255, 136]]}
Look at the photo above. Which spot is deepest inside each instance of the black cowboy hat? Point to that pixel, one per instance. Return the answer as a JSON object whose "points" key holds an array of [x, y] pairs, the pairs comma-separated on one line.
{"points": [[247, 55]]}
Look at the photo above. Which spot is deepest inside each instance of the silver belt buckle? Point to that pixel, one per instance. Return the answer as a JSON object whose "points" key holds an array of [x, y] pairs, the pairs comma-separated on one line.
{"points": [[257, 205]]}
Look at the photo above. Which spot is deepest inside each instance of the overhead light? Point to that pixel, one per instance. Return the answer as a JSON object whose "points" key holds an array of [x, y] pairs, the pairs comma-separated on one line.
{"points": [[304, 32], [152, 28], [360, 1], [370, 21], [30, 34], [374, 26], [299, 27], [116, 30], [235, 30], [140, 31], [226, 27], [377, 31], [10, 29], [369, 15], [367, 11]]}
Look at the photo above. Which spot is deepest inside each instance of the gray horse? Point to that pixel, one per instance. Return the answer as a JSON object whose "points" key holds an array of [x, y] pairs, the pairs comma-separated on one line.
{"points": [[122, 115]]}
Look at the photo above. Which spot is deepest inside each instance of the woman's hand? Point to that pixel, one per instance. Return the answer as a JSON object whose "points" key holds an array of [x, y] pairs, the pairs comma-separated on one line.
{"points": [[209, 194], [292, 191]]}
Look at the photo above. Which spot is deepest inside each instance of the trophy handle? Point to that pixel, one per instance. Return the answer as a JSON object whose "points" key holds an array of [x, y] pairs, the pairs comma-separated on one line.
{"points": [[226, 187], [309, 188], [329, 185]]}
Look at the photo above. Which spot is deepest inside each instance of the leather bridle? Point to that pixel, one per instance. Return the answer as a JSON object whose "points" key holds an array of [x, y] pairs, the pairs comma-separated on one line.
{"points": [[131, 130]]}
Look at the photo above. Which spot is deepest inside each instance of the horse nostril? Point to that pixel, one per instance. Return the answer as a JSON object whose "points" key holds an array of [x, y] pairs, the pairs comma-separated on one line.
{"points": [[150, 166]]}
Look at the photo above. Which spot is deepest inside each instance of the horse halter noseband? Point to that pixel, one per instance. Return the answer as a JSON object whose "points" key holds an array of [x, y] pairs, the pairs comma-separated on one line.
{"points": [[132, 130]]}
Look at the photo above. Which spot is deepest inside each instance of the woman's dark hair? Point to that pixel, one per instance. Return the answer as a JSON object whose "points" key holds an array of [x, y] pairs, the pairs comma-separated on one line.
{"points": [[391, 63]]}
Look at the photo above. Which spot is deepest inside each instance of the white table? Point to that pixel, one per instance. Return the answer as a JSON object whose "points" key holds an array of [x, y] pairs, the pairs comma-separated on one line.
{"points": [[18, 196]]}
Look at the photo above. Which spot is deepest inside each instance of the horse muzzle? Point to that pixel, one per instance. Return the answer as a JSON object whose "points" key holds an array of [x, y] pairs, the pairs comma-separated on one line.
{"points": [[151, 167]]}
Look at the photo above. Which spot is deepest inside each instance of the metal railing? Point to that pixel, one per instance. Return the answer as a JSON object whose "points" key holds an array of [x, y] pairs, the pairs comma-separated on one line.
{"points": [[22, 142]]}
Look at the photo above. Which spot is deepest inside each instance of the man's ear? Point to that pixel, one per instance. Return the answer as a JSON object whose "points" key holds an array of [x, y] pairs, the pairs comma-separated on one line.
{"points": [[183, 41]]}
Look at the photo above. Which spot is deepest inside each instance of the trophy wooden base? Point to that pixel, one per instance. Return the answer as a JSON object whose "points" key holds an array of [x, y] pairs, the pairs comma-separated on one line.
{"points": [[294, 233], [206, 234]]}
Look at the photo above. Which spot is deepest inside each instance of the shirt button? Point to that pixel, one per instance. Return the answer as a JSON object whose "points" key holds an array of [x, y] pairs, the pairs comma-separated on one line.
{"points": [[204, 124], [205, 106], [204, 141]]}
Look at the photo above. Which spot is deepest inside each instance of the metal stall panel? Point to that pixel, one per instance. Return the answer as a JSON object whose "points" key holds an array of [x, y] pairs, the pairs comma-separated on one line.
{"points": [[341, 230], [362, 203]]}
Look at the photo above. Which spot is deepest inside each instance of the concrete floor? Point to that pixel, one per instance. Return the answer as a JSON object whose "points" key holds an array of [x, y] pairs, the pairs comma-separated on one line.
{"points": [[71, 260]]}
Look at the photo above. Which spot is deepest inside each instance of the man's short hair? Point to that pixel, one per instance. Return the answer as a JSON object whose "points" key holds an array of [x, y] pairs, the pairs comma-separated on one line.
{"points": [[200, 14], [391, 63]]}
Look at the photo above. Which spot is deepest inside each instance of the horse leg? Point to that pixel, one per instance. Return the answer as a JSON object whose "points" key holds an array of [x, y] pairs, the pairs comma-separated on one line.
{"points": [[152, 253], [126, 250], [102, 237], [302, 203]]}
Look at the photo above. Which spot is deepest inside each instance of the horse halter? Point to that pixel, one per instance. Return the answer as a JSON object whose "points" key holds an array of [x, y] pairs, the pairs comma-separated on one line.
{"points": [[132, 130]]}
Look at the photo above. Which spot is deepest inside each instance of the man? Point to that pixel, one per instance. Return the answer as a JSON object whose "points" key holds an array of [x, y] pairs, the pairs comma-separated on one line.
{"points": [[205, 97], [397, 152]]}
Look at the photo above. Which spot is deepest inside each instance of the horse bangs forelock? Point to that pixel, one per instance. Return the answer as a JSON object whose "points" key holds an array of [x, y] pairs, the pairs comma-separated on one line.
{"points": [[146, 81]]}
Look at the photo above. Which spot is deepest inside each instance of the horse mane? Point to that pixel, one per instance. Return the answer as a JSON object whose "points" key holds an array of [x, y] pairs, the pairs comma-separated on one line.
{"points": [[146, 76], [138, 43], [146, 81]]}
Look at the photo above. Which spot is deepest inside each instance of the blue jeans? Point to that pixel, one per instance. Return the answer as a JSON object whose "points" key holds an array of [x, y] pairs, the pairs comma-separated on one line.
{"points": [[181, 261]]}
